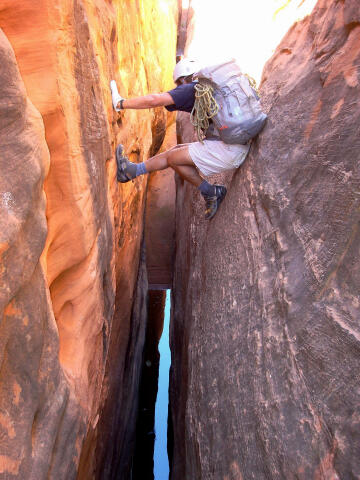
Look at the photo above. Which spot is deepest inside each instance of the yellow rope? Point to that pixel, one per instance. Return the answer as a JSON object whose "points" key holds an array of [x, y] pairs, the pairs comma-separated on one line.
{"points": [[252, 82], [205, 107]]}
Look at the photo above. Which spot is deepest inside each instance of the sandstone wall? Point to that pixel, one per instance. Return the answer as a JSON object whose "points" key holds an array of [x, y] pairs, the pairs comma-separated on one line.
{"points": [[39, 416], [67, 52], [160, 222], [265, 328]]}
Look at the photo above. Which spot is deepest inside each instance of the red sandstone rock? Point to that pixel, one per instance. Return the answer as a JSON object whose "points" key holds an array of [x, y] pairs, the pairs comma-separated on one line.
{"points": [[265, 332], [39, 420], [160, 222], [67, 52]]}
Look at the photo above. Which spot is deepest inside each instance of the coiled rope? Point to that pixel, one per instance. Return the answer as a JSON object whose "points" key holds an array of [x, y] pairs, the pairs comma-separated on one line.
{"points": [[252, 83], [205, 107]]}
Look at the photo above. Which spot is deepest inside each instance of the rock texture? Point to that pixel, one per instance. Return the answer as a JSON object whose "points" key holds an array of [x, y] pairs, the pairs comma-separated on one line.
{"points": [[265, 327], [160, 222], [67, 52], [39, 418]]}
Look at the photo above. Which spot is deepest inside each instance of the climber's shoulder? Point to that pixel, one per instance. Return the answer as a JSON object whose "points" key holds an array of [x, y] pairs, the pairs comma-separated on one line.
{"points": [[183, 97]]}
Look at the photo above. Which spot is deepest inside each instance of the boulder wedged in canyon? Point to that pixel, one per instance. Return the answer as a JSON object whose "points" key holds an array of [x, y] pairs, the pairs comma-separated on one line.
{"points": [[265, 330], [67, 53]]}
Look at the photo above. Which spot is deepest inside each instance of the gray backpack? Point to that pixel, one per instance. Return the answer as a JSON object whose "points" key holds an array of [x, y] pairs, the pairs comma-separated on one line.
{"points": [[240, 117]]}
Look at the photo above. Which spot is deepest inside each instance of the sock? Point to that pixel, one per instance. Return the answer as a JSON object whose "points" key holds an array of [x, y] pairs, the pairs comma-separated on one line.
{"points": [[206, 189], [140, 169]]}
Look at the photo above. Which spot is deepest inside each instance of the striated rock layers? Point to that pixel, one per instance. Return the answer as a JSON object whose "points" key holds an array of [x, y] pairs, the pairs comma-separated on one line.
{"points": [[266, 321], [73, 326], [38, 414]]}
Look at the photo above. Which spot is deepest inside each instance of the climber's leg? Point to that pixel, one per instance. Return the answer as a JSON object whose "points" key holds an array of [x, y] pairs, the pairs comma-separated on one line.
{"points": [[180, 160], [127, 170]]}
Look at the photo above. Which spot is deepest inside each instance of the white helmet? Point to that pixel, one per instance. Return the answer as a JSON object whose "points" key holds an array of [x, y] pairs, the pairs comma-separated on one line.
{"points": [[184, 68]]}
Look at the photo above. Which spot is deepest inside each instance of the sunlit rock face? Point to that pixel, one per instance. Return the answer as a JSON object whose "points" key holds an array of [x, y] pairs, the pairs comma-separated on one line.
{"points": [[265, 328], [67, 52], [39, 417]]}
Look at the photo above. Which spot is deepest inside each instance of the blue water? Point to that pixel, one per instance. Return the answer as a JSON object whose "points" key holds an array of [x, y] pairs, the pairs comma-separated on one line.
{"points": [[161, 462]]}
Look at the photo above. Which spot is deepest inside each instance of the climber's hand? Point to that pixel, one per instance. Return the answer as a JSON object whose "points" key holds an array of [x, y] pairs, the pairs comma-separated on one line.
{"points": [[116, 97]]}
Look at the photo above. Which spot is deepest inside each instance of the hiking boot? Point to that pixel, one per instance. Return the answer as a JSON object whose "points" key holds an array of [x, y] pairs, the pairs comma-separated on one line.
{"points": [[212, 202], [126, 170]]}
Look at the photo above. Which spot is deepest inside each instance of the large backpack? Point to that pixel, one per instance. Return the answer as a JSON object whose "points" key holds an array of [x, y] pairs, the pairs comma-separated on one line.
{"points": [[239, 117]]}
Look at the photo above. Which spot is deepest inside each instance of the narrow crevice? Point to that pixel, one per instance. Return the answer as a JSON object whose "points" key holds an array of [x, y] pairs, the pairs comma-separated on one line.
{"points": [[143, 462]]}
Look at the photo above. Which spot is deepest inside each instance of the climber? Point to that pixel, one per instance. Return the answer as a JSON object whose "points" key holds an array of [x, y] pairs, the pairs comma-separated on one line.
{"points": [[208, 157]]}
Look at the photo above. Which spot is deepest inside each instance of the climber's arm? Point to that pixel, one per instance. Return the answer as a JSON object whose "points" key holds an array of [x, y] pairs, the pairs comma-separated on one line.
{"points": [[148, 101]]}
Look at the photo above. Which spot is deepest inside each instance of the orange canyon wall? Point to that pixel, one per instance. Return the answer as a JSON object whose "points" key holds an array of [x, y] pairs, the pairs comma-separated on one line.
{"points": [[67, 318]]}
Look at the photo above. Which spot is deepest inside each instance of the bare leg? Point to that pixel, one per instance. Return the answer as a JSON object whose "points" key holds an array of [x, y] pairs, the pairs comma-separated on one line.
{"points": [[179, 159], [158, 162], [182, 163]]}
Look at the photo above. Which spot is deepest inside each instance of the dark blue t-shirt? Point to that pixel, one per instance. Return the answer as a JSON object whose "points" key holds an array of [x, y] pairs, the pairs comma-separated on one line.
{"points": [[183, 96]]}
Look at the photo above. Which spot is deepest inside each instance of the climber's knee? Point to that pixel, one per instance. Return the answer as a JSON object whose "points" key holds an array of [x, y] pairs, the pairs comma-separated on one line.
{"points": [[179, 156], [170, 159]]}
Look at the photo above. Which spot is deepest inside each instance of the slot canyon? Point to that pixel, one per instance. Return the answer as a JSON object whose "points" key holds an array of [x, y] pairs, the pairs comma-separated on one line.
{"points": [[265, 297]]}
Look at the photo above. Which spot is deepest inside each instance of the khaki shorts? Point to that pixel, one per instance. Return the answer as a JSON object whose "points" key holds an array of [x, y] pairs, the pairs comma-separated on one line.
{"points": [[214, 156]]}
